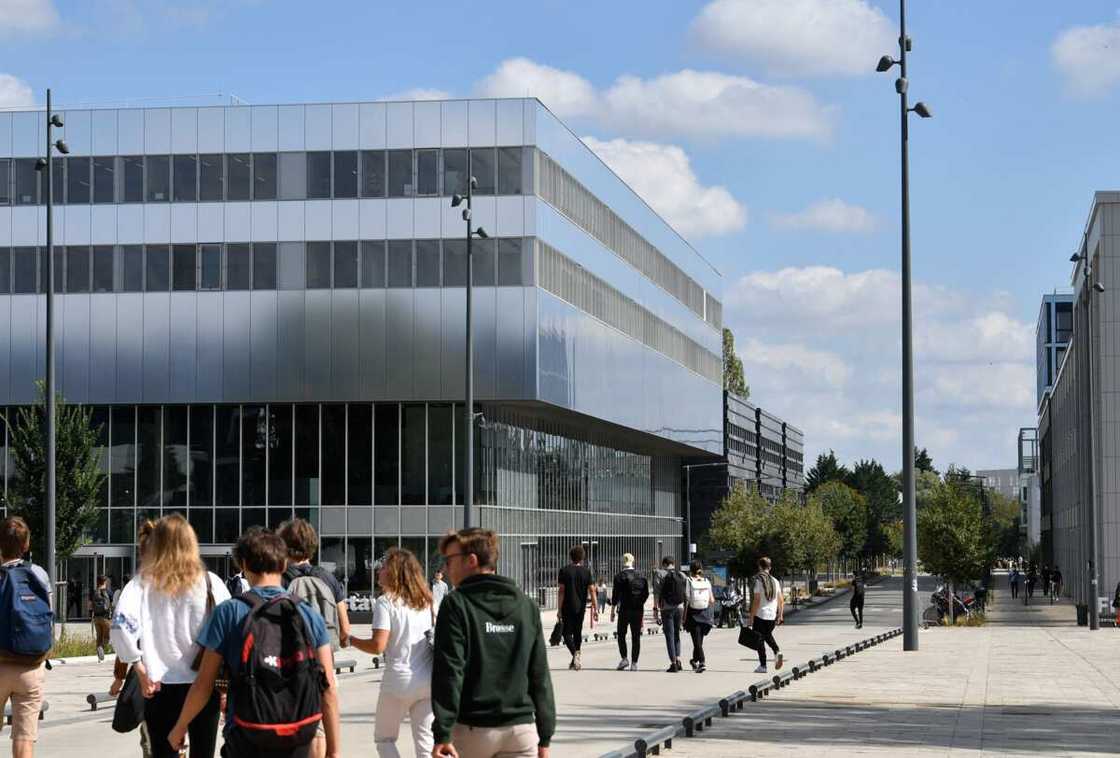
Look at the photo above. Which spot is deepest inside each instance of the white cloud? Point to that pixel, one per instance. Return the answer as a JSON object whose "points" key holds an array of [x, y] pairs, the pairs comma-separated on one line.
{"points": [[664, 178], [798, 37], [15, 93], [832, 215], [419, 93], [1089, 57], [27, 16], [703, 104], [815, 366]]}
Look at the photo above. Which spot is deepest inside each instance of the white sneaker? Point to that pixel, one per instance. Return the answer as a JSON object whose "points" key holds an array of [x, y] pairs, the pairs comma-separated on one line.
{"points": [[622, 665], [760, 670], [633, 667], [579, 660]]}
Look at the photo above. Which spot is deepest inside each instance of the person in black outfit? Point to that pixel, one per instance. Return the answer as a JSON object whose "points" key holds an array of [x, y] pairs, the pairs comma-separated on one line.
{"points": [[628, 599], [859, 589], [574, 584]]}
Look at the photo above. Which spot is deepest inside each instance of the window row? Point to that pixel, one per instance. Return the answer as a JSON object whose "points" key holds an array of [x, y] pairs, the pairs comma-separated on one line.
{"points": [[220, 177], [502, 262]]}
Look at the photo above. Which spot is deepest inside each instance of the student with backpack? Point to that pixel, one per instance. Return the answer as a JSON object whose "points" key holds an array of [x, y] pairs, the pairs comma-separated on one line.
{"points": [[278, 655], [120, 669], [26, 634], [237, 584], [698, 616], [315, 585], [101, 611], [767, 611], [156, 628], [628, 598], [402, 631], [670, 603]]}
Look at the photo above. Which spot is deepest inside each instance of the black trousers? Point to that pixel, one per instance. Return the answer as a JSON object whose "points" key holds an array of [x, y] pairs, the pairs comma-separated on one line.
{"points": [[632, 620], [857, 605], [1014, 590], [573, 631], [765, 630], [161, 713], [697, 632]]}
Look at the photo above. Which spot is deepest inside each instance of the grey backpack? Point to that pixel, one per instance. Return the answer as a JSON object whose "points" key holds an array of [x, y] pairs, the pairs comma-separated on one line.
{"points": [[317, 593]]}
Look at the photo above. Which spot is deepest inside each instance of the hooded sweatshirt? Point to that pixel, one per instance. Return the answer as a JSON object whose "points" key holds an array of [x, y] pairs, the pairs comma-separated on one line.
{"points": [[490, 668]]}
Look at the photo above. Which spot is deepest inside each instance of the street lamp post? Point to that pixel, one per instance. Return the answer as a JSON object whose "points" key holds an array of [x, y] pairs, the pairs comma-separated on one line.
{"points": [[469, 414], [44, 165], [1089, 288], [909, 513]]}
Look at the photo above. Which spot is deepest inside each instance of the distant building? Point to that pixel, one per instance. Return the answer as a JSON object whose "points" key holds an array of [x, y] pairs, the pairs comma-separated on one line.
{"points": [[1030, 495], [1055, 325], [1005, 481]]}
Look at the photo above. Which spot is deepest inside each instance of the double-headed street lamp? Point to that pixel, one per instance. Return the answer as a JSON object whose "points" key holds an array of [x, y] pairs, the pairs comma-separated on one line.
{"points": [[468, 461], [44, 165], [1090, 289], [909, 513]]}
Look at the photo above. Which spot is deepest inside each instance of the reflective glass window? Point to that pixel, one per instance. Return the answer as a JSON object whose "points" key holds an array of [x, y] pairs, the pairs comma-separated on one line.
{"points": [[509, 170], [439, 454], [280, 455], [227, 455], [211, 178], [26, 181], [254, 445], [359, 558], [509, 263], [307, 455], [176, 456], [386, 449], [319, 174], [185, 176], [427, 263], [5, 278], [264, 265], [482, 251], [104, 180], [345, 264], [413, 448], [484, 169], [202, 455], [400, 263], [455, 171], [454, 263], [25, 270], [427, 172], [132, 169], [345, 173], [373, 173], [157, 178], [360, 454], [238, 267], [400, 173], [238, 176], [264, 176], [183, 267], [102, 268], [78, 179], [334, 454], [373, 264], [293, 176], [318, 265], [210, 267], [77, 268], [157, 271], [227, 525], [149, 458], [132, 268], [122, 457], [202, 521], [5, 181], [58, 183]]}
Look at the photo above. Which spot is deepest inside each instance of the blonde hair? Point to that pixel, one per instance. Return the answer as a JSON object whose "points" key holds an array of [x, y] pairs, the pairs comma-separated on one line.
{"points": [[171, 562], [628, 560], [404, 579]]}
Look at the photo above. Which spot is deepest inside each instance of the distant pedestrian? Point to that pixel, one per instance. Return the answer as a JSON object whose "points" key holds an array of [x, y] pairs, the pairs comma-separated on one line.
{"points": [[698, 620], [237, 585], [439, 592], [574, 583], [490, 680], [1116, 603], [101, 611], [670, 605], [1032, 580], [603, 595], [767, 612], [628, 600], [1055, 584], [1014, 579], [859, 591], [25, 589], [402, 631]]}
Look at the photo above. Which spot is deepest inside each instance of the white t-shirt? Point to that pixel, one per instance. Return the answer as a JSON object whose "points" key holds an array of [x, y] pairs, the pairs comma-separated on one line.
{"points": [[408, 655], [699, 593], [439, 592], [767, 609]]}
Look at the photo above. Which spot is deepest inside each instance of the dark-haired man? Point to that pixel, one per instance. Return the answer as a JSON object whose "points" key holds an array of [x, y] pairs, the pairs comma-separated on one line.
{"points": [[490, 680], [574, 586]]}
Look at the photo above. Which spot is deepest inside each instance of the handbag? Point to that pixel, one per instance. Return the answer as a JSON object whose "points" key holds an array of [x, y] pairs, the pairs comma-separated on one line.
{"points": [[750, 638], [128, 713]]}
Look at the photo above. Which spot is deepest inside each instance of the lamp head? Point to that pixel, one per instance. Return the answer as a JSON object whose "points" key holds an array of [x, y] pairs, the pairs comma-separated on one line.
{"points": [[62, 147], [901, 85], [466, 214], [481, 233], [923, 110], [885, 64], [1098, 287], [1075, 258], [56, 120], [474, 183], [41, 164], [456, 200]]}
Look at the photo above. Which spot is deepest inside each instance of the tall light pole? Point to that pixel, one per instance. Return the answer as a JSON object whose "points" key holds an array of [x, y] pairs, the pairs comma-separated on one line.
{"points": [[1088, 289], [469, 414], [909, 513], [44, 165]]}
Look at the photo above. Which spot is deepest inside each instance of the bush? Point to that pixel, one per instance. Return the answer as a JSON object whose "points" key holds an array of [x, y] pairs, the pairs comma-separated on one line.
{"points": [[70, 646]]}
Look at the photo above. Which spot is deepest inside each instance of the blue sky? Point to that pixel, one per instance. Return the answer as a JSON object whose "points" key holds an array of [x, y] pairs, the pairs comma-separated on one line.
{"points": [[758, 127]]}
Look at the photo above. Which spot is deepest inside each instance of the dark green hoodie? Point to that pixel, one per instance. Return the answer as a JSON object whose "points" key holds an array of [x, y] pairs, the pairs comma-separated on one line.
{"points": [[490, 667]]}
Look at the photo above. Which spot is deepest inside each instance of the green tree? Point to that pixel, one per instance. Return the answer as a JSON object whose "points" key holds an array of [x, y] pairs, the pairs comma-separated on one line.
{"points": [[847, 510], [743, 525], [734, 380], [952, 542], [881, 493], [826, 469], [79, 477], [922, 461], [813, 539], [1005, 536], [894, 538]]}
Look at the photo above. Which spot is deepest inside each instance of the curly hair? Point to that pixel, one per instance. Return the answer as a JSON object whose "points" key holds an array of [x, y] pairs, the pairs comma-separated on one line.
{"points": [[404, 579]]}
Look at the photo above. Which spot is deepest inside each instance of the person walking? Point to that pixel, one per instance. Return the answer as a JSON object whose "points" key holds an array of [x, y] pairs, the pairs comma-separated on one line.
{"points": [[573, 585], [767, 612], [1056, 584], [859, 589], [1013, 579], [266, 635], [120, 669], [101, 611], [602, 595], [439, 592], [490, 679], [26, 587], [698, 616], [402, 628], [314, 585], [672, 595], [629, 594], [1032, 579], [156, 628]]}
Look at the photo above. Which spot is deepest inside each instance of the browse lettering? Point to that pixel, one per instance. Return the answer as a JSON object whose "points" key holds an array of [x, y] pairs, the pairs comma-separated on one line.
{"points": [[499, 628]]}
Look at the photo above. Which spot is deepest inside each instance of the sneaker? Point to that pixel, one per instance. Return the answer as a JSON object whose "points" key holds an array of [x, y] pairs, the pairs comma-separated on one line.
{"points": [[778, 661], [622, 665], [760, 670], [578, 661], [572, 665], [672, 668], [691, 663], [701, 668], [634, 666], [100, 654]]}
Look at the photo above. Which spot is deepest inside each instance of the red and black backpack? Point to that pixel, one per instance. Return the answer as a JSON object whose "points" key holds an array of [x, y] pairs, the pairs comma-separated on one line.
{"points": [[278, 688]]}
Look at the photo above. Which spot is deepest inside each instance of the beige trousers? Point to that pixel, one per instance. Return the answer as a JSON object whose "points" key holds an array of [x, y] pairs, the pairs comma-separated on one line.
{"points": [[518, 741]]}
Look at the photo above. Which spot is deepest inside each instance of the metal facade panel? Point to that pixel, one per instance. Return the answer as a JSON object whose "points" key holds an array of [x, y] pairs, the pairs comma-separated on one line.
{"points": [[344, 220], [511, 122], [399, 218], [184, 347], [27, 130], [399, 344], [103, 128], [263, 221], [372, 219], [130, 131], [103, 348], [290, 126], [414, 520], [263, 328], [289, 220], [317, 125], [453, 335], [184, 130], [529, 335], [211, 340], [317, 219], [5, 348], [157, 345], [386, 520], [130, 224], [157, 131], [264, 123], [238, 222], [6, 135], [239, 136], [509, 217], [426, 213], [184, 223], [453, 123], [484, 213], [371, 347], [344, 126], [482, 123], [73, 351], [510, 343], [79, 132], [426, 123], [130, 347], [25, 353], [211, 130], [103, 225], [211, 222], [485, 342], [398, 125], [426, 339], [5, 227], [25, 226], [344, 344], [317, 345], [290, 333], [236, 372], [157, 223], [371, 126]]}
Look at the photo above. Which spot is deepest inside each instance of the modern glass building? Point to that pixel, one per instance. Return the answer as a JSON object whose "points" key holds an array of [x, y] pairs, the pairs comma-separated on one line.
{"points": [[1052, 335], [265, 306]]}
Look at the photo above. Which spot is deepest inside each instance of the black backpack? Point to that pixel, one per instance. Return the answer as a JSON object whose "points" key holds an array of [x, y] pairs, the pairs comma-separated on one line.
{"points": [[673, 589], [637, 590], [233, 585], [277, 691]]}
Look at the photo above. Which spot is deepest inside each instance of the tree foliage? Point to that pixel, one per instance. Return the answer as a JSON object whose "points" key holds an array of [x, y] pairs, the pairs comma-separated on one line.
{"points": [[79, 477], [922, 461], [847, 510], [870, 479], [826, 469], [952, 540], [734, 379]]}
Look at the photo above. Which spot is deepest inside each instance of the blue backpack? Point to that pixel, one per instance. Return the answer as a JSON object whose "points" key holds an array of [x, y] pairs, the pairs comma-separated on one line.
{"points": [[26, 619]]}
